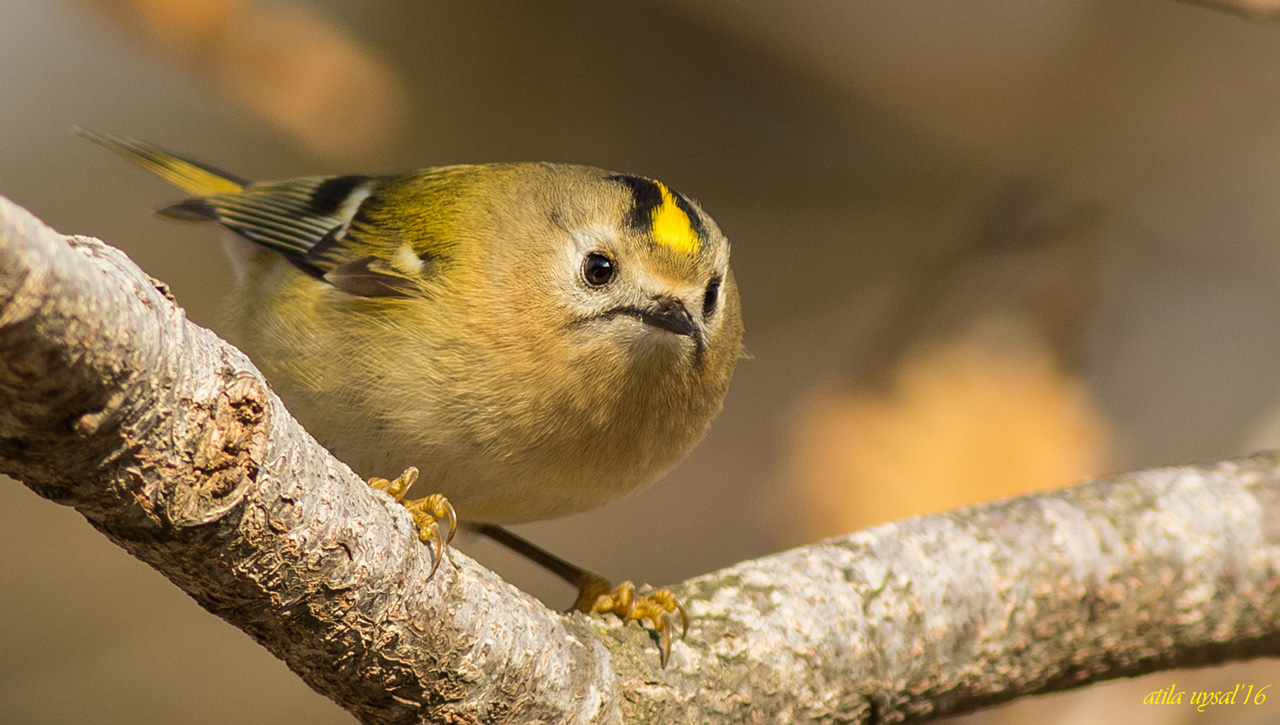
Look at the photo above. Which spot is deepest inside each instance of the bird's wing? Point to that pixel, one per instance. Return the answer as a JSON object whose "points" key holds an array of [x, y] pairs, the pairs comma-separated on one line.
{"points": [[307, 220]]}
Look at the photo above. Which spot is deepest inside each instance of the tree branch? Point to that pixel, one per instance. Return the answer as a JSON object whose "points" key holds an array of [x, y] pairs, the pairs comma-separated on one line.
{"points": [[169, 442]]}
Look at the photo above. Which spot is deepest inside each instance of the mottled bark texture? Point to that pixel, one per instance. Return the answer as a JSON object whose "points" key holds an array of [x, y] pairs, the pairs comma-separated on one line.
{"points": [[169, 442]]}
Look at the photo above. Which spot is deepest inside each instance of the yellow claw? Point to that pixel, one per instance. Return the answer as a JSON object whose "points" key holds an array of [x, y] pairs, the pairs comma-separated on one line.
{"points": [[655, 608], [399, 487], [597, 595], [426, 512]]}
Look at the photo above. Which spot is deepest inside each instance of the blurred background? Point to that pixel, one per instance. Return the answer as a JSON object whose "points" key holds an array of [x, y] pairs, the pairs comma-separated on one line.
{"points": [[984, 247]]}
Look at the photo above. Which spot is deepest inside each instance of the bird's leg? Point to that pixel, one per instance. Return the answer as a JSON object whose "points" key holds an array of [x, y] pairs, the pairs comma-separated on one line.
{"points": [[426, 511], [597, 595]]}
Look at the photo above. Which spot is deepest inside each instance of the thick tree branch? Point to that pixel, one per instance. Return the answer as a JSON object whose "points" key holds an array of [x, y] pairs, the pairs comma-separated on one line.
{"points": [[169, 442]]}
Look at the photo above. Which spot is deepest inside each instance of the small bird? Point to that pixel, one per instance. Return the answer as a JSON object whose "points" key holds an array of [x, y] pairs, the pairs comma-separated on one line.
{"points": [[541, 338]]}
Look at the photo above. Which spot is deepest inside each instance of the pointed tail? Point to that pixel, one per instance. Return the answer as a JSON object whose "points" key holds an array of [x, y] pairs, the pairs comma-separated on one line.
{"points": [[192, 177]]}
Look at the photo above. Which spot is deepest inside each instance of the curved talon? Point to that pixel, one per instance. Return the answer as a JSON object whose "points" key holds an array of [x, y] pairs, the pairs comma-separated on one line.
{"points": [[425, 511], [597, 595], [440, 503], [428, 532], [669, 603], [655, 608], [663, 626]]}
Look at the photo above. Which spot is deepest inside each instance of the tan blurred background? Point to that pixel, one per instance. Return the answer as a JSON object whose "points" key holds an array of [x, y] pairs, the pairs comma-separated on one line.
{"points": [[984, 246]]}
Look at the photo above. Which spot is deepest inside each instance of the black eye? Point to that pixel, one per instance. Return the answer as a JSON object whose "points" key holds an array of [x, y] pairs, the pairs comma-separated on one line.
{"points": [[597, 269], [710, 298]]}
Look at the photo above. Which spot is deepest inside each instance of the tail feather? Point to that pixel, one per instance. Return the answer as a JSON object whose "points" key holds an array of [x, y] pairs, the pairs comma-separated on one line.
{"points": [[192, 177], [306, 220]]}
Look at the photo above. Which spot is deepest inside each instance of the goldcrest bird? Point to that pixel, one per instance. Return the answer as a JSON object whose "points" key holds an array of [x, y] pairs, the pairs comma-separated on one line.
{"points": [[541, 338]]}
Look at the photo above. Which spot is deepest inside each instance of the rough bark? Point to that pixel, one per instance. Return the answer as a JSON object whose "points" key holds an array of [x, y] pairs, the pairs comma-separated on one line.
{"points": [[169, 442]]}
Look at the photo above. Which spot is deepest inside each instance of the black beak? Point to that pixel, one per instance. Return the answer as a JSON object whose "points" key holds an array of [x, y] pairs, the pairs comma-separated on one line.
{"points": [[670, 315]]}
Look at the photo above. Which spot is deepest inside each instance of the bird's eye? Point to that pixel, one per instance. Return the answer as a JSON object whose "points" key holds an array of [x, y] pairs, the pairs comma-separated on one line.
{"points": [[711, 298], [597, 269]]}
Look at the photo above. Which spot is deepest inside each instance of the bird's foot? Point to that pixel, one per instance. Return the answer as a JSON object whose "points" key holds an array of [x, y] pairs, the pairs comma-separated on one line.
{"points": [[597, 595], [426, 511]]}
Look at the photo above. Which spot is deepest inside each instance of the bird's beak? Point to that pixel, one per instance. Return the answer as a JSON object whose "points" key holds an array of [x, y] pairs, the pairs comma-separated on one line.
{"points": [[669, 314]]}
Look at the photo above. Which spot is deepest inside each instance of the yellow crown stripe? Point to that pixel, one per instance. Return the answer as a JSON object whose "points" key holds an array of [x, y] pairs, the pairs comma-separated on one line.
{"points": [[671, 226]]}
